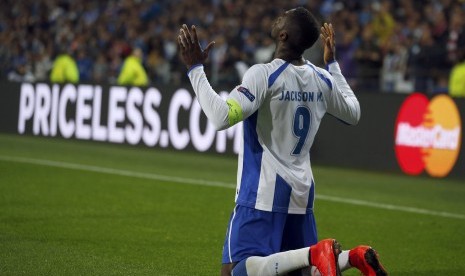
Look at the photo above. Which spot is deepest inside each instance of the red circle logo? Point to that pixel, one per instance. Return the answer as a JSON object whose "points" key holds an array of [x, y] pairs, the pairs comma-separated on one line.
{"points": [[427, 135]]}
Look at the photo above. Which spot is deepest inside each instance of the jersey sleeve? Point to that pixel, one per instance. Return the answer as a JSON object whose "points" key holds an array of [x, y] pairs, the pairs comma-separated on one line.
{"points": [[242, 102], [342, 102], [251, 93]]}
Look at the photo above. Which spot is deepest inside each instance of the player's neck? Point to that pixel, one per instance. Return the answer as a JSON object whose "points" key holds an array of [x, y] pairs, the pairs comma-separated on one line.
{"points": [[290, 57]]}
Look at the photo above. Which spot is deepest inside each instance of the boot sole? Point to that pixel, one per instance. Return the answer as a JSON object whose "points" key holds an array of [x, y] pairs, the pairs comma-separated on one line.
{"points": [[372, 259], [336, 251]]}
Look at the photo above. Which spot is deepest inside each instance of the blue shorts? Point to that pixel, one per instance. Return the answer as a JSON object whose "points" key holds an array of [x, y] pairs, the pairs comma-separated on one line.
{"points": [[253, 232]]}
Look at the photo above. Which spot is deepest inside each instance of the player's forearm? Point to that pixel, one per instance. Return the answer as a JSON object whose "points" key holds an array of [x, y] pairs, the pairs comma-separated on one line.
{"points": [[351, 112], [213, 105]]}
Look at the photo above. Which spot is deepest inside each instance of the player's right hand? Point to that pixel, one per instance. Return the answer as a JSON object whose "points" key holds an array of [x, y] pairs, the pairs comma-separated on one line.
{"points": [[329, 43], [191, 51]]}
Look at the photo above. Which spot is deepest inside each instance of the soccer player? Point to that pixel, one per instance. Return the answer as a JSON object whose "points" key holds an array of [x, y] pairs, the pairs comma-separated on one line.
{"points": [[272, 228]]}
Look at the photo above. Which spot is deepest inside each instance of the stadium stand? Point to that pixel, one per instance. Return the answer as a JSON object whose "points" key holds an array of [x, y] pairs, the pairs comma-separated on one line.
{"points": [[391, 46]]}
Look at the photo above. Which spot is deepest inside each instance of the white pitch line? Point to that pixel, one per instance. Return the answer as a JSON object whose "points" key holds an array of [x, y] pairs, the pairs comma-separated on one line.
{"points": [[151, 176], [201, 182], [390, 207]]}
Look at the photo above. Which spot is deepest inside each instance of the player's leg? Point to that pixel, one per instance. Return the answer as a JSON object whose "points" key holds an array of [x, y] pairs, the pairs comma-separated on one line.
{"points": [[322, 255], [250, 233], [254, 239], [257, 230], [275, 264], [253, 242], [301, 231]]}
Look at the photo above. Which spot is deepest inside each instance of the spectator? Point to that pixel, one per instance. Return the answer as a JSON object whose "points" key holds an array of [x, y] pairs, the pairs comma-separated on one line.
{"points": [[104, 30], [43, 65], [394, 70], [457, 80], [426, 60], [132, 72], [100, 69], [64, 70], [347, 29], [383, 22], [21, 72], [265, 51], [158, 66], [85, 65], [369, 61], [456, 35]]}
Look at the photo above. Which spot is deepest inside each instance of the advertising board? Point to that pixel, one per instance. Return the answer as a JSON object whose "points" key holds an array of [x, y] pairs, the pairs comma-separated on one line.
{"points": [[414, 134]]}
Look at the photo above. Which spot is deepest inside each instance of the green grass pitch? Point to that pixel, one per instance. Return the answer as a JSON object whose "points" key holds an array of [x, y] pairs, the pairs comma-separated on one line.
{"points": [[81, 208]]}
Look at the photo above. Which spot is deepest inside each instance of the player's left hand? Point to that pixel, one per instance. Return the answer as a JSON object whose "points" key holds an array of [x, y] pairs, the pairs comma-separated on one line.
{"points": [[191, 51], [329, 42]]}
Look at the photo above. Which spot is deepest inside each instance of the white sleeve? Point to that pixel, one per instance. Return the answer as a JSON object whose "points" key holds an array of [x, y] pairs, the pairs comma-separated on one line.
{"points": [[212, 104], [251, 93], [343, 103], [243, 100]]}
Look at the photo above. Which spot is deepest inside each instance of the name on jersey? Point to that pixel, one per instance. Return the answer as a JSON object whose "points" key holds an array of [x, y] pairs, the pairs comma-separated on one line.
{"points": [[301, 96]]}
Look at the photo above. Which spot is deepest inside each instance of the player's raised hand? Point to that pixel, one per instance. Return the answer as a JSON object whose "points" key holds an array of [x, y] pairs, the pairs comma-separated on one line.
{"points": [[329, 42], [191, 51]]}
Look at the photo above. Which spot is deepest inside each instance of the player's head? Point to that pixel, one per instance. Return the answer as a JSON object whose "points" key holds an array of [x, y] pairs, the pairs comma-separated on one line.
{"points": [[297, 28]]}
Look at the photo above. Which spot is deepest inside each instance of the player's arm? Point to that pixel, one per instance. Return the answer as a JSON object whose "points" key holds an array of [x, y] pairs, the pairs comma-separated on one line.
{"points": [[222, 113], [342, 101]]}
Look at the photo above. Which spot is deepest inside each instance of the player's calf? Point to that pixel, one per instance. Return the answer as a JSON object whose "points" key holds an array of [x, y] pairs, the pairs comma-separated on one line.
{"points": [[275, 264], [322, 255]]}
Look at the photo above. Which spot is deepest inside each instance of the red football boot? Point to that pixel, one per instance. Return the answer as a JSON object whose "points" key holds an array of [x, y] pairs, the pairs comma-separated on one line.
{"points": [[366, 260], [324, 255]]}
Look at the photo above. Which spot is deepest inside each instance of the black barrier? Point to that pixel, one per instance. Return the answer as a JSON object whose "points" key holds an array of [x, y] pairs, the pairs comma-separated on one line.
{"points": [[370, 144], [170, 117]]}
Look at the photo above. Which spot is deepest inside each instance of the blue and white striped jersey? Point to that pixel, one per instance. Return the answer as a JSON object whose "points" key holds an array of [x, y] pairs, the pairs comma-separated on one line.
{"points": [[281, 106]]}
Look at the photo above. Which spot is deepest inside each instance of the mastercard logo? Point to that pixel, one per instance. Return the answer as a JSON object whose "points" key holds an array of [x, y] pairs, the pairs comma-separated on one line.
{"points": [[427, 135]]}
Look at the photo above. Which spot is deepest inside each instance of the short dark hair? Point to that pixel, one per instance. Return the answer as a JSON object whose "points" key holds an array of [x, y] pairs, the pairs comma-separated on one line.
{"points": [[303, 29]]}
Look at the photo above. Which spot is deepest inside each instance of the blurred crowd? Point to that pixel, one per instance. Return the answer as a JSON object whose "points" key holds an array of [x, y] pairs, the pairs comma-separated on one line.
{"points": [[382, 45]]}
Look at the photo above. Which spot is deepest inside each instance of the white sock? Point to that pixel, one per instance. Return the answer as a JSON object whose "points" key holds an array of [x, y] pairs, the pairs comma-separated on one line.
{"points": [[279, 263], [342, 261]]}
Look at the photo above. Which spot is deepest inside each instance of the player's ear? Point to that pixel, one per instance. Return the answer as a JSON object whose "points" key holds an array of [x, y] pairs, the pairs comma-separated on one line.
{"points": [[283, 35]]}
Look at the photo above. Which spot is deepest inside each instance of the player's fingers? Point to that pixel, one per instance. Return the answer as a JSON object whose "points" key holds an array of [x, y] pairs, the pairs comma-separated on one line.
{"points": [[181, 38], [184, 38], [188, 33], [181, 43], [326, 29], [323, 40], [324, 35], [194, 35], [333, 36], [323, 31], [209, 47]]}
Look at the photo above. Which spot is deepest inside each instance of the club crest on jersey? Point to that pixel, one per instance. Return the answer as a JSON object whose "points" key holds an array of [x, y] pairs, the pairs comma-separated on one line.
{"points": [[246, 93]]}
